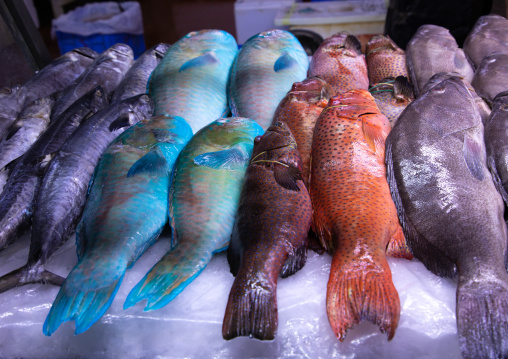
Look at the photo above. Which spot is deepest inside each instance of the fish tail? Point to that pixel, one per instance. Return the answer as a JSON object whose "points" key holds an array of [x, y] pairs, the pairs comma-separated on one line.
{"points": [[397, 246], [85, 307], [28, 275], [251, 310], [482, 319], [361, 288], [168, 277]]}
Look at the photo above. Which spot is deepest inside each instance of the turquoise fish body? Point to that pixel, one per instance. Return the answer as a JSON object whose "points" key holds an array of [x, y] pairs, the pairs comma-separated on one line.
{"points": [[204, 200], [126, 209], [263, 72], [191, 79]]}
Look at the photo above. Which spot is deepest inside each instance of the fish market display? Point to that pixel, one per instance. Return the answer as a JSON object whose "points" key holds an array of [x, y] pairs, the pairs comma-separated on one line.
{"points": [[450, 210], [107, 71], [354, 215], [340, 62], [263, 72], [269, 234], [384, 59], [299, 110], [20, 191], [136, 79], [431, 50], [191, 79], [392, 95], [489, 35], [203, 200], [491, 77], [62, 194], [125, 212]]}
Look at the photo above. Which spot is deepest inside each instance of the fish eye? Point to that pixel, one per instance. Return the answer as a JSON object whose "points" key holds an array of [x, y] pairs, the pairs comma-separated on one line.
{"points": [[6, 91], [257, 139], [504, 107]]}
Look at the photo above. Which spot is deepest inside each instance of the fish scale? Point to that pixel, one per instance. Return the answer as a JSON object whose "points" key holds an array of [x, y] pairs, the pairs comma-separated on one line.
{"points": [[384, 59]]}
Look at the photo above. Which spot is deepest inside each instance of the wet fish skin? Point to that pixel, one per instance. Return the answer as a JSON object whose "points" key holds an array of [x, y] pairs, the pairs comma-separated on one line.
{"points": [[19, 194], [11, 102], [384, 59], [491, 77], [136, 79], [126, 210], [392, 95], [191, 79], [299, 109], [340, 62], [450, 210], [269, 234], [263, 72], [489, 35], [203, 202], [107, 71], [431, 50]]}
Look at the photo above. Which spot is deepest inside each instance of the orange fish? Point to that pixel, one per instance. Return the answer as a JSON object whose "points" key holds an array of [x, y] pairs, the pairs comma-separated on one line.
{"points": [[299, 110], [354, 215], [340, 62], [384, 59]]}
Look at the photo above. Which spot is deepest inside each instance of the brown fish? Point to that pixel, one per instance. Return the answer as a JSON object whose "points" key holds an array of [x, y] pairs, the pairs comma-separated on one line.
{"points": [[384, 59], [299, 110], [353, 213], [269, 235], [340, 62], [392, 96]]}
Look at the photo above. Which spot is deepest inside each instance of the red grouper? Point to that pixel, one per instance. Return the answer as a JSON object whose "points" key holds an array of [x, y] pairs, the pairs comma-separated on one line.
{"points": [[384, 59], [354, 215], [269, 234]]}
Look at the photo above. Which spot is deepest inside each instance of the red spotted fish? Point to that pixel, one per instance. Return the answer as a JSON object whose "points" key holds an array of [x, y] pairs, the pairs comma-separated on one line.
{"points": [[392, 95], [384, 59]]}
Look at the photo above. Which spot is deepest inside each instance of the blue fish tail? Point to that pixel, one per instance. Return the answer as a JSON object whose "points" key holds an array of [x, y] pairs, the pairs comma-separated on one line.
{"points": [[168, 278], [85, 307]]}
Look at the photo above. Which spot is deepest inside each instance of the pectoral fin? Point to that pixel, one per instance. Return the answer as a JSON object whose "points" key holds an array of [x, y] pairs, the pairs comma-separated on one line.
{"points": [[373, 135], [153, 163], [473, 157], [15, 127], [201, 61], [124, 120], [285, 61], [231, 159], [402, 89], [287, 177]]}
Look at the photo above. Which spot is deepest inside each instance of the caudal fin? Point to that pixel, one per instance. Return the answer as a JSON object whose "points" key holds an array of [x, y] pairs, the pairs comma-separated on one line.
{"points": [[397, 246], [28, 275], [251, 310], [85, 307], [358, 291], [168, 277], [482, 319]]}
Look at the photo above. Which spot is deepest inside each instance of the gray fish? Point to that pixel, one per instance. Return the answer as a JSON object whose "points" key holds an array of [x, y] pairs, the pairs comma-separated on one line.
{"points": [[450, 210], [433, 49], [11, 103], [62, 195], [106, 71], [491, 77], [489, 35], [136, 79], [19, 194]]}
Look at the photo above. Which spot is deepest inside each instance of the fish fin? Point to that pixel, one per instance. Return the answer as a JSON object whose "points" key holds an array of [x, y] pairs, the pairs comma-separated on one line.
{"points": [[287, 177], [231, 159], [15, 127], [234, 253], [125, 119], [233, 107], [295, 261], [285, 61], [402, 89], [153, 163], [25, 275], [85, 307], [473, 156], [373, 134], [201, 61], [177, 269], [43, 162], [482, 318], [163, 136], [314, 243], [432, 257], [354, 294], [353, 44], [251, 310], [322, 232], [491, 163], [397, 246]]}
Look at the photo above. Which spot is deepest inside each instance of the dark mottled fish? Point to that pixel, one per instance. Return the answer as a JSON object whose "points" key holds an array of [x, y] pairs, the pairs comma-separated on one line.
{"points": [[269, 235], [340, 62], [431, 50], [450, 210], [11, 103], [62, 194], [392, 95], [491, 77], [384, 59], [19, 194]]}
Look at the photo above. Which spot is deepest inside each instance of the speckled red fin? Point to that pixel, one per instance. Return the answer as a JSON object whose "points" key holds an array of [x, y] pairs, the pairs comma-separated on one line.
{"points": [[373, 134], [397, 246]]}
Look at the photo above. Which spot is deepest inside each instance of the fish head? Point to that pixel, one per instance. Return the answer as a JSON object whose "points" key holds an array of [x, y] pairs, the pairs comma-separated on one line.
{"points": [[274, 40], [276, 141], [11, 100], [234, 129], [382, 44], [313, 90], [342, 44], [208, 39], [84, 51], [160, 49], [122, 50]]}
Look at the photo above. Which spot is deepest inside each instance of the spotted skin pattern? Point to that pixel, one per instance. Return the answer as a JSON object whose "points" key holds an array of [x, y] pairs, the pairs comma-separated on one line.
{"points": [[353, 213], [384, 59], [299, 110], [342, 66], [269, 237], [388, 102]]}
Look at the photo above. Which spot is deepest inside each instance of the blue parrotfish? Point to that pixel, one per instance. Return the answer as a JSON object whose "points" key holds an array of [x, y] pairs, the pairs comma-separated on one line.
{"points": [[126, 210], [263, 72], [203, 202], [191, 79]]}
